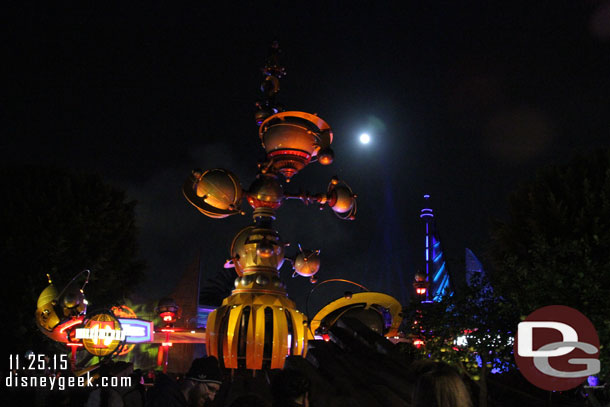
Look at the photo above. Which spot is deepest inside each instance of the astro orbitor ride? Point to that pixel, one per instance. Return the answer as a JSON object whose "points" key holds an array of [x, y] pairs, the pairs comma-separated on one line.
{"points": [[257, 326]]}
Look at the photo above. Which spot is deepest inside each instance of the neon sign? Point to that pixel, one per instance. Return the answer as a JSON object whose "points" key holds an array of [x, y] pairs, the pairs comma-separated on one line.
{"points": [[71, 323], [137, 330], [101, 335], [132, 331], [101, 331]]}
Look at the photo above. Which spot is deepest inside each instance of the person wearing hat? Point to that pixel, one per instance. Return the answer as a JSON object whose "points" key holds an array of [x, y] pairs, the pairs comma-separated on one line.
{"points": [[202, 381], [198, 388]]}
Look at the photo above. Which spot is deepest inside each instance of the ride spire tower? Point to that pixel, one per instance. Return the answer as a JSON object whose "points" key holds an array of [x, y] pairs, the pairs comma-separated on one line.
{"points": [[257, 326], [433, 282]]}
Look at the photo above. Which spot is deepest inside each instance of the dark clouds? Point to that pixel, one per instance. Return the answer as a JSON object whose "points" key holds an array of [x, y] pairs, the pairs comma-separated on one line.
{"points": [[519, 134], [463, 100]]}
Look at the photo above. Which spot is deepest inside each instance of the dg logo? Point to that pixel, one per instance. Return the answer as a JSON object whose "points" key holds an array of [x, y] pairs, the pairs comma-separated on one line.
{"points": [[557, 348]]}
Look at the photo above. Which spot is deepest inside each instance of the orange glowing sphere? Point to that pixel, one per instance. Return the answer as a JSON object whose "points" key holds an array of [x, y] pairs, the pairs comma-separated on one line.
{"points": [[103, 334]]}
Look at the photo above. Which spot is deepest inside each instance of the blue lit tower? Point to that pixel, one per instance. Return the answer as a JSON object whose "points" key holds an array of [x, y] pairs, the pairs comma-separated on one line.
{"points": [[436, 276]]}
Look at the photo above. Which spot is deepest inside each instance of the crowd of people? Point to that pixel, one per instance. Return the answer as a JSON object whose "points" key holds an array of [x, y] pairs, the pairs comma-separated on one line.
{"points": [[432, 384]]}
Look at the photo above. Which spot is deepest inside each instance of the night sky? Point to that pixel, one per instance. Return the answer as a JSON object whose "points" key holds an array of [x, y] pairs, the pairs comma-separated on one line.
{"points": [[463, 100]]}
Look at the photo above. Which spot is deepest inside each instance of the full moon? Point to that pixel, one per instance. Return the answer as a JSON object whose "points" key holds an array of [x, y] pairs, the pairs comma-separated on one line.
{"points": [[365, 138]]}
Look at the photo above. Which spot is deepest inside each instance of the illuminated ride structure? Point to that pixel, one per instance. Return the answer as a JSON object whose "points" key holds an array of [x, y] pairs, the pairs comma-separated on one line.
{"points": [[62, 316], [58, 313], [380, 312], [257, 326], [168, 312], [433, 282]]}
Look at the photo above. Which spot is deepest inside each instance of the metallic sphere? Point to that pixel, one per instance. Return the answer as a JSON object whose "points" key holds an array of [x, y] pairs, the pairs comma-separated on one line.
{"points": [[262, 280], [342, 199], [265, 249], [326, 156], [255, 248], [262, 114], [292, 139], [74, 303], [266, 191], [215, 193], [307, 263], [219, 188]]}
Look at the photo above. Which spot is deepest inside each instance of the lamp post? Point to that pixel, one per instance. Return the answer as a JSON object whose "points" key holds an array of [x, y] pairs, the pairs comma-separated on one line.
{"points": [[421, 285], [167, 309]]}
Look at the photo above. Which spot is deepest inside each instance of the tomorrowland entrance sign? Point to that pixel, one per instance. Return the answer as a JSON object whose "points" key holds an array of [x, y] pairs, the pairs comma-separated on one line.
{"points": [[62, 316], [103, 333], [137, 330]]}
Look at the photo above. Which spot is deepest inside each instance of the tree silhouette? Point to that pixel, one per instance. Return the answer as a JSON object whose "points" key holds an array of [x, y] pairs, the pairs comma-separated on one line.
{"points": [[57, 222], [471, 330], [555, 247]]}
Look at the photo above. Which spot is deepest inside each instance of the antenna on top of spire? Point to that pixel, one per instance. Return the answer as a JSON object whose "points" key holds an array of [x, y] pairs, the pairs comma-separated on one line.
{"points": [[270, 86]]}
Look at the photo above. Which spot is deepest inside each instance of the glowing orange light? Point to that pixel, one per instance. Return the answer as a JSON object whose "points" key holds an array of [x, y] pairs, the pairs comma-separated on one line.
{"points": [[74, 344], [167, 330], [418, 343], [124, 311], [167, 344], [101, 334], [421, 290]]}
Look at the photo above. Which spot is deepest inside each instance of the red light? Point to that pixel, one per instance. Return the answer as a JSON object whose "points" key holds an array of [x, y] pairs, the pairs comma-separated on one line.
{"points": [[167, 330], [326, 337], [73, 344], [421, 290], [290, 152], [167, 316], [70, 324], [418, 343]]}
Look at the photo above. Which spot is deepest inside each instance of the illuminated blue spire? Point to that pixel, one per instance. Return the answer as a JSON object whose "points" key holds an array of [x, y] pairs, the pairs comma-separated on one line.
{"points": [[437, 275]]}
